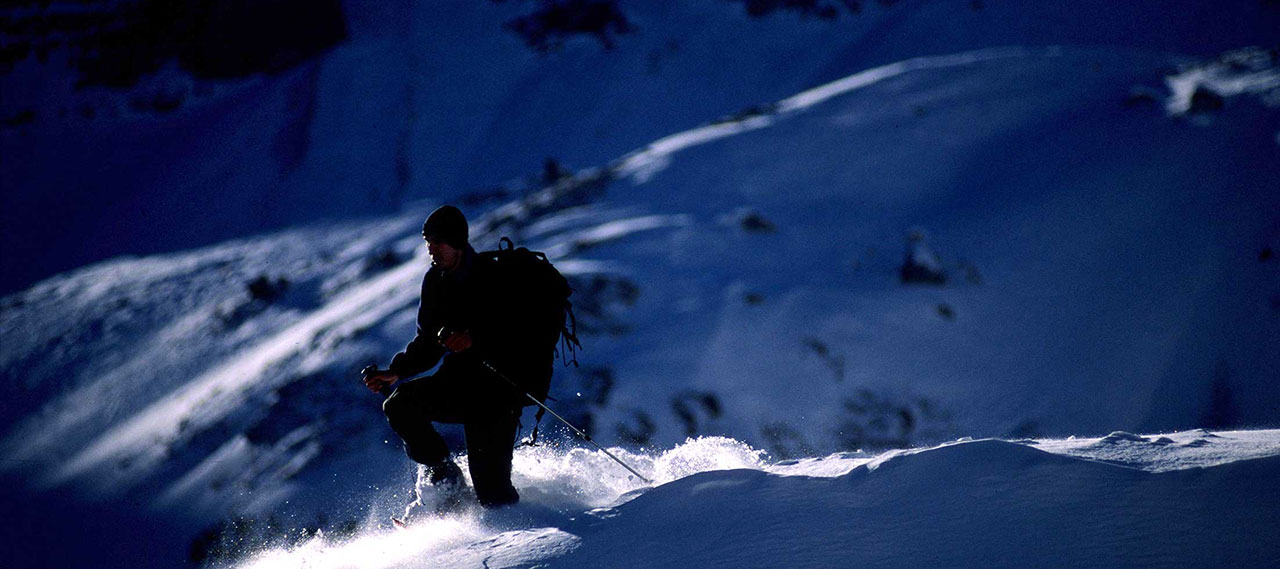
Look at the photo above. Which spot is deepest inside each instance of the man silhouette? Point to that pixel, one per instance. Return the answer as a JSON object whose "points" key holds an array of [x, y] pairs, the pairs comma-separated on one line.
{"points": [[457, 317]]}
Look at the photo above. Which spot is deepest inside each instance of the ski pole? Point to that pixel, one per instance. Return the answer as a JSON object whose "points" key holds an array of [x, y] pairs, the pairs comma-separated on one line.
{"points": [[579, 432]]}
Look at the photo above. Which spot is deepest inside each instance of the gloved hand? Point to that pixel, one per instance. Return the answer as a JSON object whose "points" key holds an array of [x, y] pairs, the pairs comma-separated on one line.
{"points": [[377, 380]]}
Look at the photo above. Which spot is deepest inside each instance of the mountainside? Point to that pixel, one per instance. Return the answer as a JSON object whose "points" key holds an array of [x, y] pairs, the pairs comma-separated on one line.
{"points": [[851, 232], [190, 125]]}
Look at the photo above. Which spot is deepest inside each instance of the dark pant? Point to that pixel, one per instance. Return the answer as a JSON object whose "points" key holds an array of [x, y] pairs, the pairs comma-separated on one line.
{"points": [[460, 394]]}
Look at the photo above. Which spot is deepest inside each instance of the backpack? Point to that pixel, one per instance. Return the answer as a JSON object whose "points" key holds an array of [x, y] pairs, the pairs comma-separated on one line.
{"points": [[534, 298]]}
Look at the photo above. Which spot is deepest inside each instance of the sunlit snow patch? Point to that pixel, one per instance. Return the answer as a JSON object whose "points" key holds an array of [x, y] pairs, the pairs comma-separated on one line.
{"points": [[384, 548], [644, 164], [1168, 452], [1243, 72], [585, 478], [143, 440]]}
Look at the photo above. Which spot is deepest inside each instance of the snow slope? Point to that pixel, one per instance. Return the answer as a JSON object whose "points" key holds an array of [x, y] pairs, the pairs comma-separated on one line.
{"points": [[853, 348], [1102, 227], [437, 100], [987, 503]]}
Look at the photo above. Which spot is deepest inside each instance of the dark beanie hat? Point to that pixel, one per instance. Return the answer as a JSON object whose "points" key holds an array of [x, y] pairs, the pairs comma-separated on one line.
{"points": [[447, 225]]}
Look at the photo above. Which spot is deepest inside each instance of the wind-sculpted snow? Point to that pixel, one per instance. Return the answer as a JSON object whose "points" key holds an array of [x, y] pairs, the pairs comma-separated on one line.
{"points": [[980, 504]]}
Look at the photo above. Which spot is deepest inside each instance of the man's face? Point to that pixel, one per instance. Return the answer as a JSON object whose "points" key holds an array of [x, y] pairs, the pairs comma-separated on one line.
{"points": [[443, 255]]}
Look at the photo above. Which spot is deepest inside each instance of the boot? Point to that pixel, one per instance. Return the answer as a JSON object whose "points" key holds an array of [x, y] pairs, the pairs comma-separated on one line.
{"points": [[438, 490], [446, 473]]}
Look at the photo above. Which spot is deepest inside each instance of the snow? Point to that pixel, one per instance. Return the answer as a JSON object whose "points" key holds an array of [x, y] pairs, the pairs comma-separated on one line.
{"points": [[402, 113], [985, 503], [209, 397], [383, 551], [613, 230], [1062, 256], [1200, 448], [733, 217], [645, 164], [1223, 77]]}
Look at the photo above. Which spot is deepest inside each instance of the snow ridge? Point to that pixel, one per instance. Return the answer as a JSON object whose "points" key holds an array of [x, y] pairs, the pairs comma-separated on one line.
{"points": [[643, 164]]}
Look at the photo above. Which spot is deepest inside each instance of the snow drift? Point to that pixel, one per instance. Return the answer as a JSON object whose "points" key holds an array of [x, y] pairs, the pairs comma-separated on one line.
{"points": [[987, 503]]}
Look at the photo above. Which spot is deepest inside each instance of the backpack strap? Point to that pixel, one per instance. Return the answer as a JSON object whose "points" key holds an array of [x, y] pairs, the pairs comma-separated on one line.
{"points": [[569, 345]]}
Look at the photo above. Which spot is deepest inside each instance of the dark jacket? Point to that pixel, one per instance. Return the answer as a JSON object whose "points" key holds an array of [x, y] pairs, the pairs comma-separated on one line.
{"points": [[471, 299]]}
